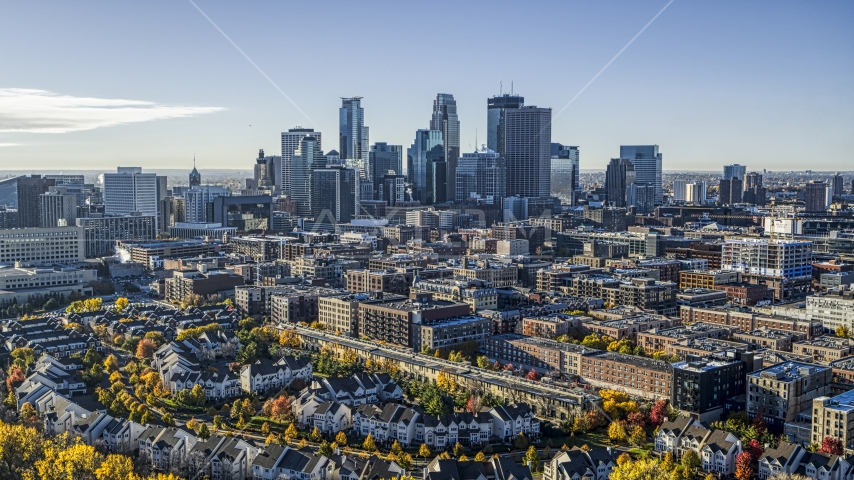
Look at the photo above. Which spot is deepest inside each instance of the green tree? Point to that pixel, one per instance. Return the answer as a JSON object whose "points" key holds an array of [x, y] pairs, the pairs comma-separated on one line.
{"points": [[532, 458], [691, 461], [325, 449], [521, 441], [204, 433], [458, 450], [168, 420], [369, 444]]}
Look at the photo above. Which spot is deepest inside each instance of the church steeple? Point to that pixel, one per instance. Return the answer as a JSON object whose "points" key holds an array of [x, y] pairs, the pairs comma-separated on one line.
{"points": [[195, 176]]}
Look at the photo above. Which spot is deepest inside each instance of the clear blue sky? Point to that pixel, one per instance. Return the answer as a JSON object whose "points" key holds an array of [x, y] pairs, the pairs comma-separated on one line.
{"points": [[768, 84]]}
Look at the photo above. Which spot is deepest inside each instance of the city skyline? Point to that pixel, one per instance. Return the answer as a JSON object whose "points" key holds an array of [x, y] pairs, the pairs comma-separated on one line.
{"points": [[155, 106]]}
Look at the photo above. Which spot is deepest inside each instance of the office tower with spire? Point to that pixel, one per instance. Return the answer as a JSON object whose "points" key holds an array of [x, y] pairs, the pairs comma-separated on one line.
{"points": [[290, 143], [352, 132], [496, 111], [734, 171], [481, 174], [647, 162], [445, 119], [565, 171], [263, 178], [618, 176], [383, 159], [195, 176], [528, 151], [425, 167], [307, 158]]}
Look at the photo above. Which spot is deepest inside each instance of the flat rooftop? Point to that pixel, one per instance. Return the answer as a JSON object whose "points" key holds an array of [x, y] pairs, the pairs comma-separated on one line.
{"points": [[788, 371]]}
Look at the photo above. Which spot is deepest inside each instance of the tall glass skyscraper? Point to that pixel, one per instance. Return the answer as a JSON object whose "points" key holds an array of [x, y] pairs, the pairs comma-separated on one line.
{"points": [[445, 119], [527, 151], [734, 171], [565, 173], [304, 161], [383, 159], [618, 176], [352, 132], [496, 108], [425, 167], [481, 173], [290, 143], [647, 162]]}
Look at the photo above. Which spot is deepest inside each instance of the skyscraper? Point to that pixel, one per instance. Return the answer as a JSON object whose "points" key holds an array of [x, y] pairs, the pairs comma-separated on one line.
{"points": [[352, 132], [58, 208], [565, 173], [838, 185], [263, 179], [641, 196], [129, 190], [305, 159], [496, 110], [734, 170], [689, 191], [197, 199], [195, 176], [335, 194], [30, 190], [445, 119], [383, 159], [425, 167], [482, 174], [730, 191], [815, 197], [618, 176], [754, 192], [528, 151], [290, 143], [647, 162]]}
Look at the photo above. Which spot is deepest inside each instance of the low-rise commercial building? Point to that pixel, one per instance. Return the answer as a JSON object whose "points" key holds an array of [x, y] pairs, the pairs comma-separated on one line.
{"points": [[551, 325], [397, 320], [298, 304], [741, 319], [454, 333], [833, 309], [340, 313]]}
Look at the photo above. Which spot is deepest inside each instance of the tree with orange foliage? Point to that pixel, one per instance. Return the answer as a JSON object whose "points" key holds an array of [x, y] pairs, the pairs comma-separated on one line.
{"points": [[145, 348], [743, 466]]}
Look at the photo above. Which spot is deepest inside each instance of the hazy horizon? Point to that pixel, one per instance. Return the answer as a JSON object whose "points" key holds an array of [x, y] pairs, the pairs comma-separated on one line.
{"points": [[767, 85]]}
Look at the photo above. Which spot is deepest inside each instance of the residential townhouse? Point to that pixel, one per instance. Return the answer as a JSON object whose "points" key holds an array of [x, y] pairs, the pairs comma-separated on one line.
{"points": [[266, 375], [332, 417], [165, 447], [444, 431], [359, 389], [121, 435], [497, 468], [511, 420], [276, 462], [222, 458], [717, 449], [786, 458], [577, 464], [387, 423]]}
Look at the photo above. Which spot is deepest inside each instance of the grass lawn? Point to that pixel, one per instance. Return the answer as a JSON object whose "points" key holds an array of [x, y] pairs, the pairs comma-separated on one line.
{"points": [[275, 426]]}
